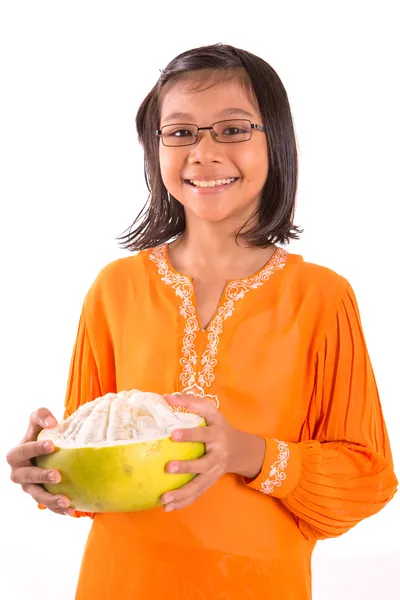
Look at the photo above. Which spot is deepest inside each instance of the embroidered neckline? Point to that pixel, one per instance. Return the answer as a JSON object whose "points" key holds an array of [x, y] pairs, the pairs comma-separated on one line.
{"points": [[257, 273], [193, 381]]}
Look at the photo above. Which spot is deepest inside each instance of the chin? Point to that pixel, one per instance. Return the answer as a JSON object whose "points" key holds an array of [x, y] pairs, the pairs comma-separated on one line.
{"points": [[219, 214], [212, 216]]}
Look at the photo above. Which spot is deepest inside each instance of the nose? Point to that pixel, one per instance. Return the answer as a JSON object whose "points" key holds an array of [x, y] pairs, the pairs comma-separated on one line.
{"points": [[206, 148], [206, 134]]}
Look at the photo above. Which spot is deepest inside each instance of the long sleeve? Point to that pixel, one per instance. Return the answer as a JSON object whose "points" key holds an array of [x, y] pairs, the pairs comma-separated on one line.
{"points": [[83, 379], [88, 379], [345, 473]]}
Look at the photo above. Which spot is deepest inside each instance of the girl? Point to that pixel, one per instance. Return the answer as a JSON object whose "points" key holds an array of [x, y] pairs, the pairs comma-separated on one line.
{"points": [[267, 347]]}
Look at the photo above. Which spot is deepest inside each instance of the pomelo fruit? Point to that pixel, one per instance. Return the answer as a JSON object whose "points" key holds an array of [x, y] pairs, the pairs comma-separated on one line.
{"points": [[111, 453]]}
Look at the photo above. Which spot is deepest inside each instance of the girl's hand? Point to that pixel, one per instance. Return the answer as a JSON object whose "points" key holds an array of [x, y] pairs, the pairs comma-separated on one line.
{"points": [[24, 471], [228, 450]]}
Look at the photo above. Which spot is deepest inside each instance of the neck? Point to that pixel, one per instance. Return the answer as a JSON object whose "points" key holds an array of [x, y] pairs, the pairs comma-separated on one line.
{"points": [[214, 250]]}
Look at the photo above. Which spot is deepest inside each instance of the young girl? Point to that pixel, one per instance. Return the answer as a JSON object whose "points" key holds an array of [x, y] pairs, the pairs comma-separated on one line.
{"points": [[267, 347]]}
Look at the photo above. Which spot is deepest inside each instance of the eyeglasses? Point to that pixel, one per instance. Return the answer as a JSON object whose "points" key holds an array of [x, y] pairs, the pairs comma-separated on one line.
{"points": [[225, 132]]}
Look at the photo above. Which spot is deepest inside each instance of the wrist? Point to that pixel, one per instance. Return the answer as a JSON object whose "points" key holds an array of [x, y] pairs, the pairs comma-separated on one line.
{"points": [[249, 455]]}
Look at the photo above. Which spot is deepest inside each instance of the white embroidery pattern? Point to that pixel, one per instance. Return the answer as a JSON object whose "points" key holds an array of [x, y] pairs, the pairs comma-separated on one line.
{"points": [[277, 473], [184, 289]]}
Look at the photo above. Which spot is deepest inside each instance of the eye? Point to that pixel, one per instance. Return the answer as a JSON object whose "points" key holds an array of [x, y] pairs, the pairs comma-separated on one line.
{"points": [[180, 133], [234, 130]]}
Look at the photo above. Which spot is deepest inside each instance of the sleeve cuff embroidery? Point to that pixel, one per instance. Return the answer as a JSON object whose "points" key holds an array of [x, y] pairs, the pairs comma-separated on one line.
{"points": [[277, 473], [280, 471]]}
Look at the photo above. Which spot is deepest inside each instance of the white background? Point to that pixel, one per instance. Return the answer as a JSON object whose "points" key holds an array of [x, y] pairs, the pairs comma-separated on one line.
{"points": [[72, 77]]}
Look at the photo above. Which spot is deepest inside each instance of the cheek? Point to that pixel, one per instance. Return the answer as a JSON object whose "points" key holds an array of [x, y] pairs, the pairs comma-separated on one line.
{"points": [[171, 165], [254, 163]]}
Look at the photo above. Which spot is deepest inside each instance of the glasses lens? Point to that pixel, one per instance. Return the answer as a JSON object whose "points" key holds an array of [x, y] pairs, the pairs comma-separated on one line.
{"points": [[179, 135], [235, 130]]}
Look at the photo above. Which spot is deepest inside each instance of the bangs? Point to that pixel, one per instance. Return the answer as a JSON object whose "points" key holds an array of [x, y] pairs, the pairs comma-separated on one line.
{"points": [[203, 79]]}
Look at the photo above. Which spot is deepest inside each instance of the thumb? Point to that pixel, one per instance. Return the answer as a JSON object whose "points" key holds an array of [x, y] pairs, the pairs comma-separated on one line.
{"points": [[199, 406], [38, 420]]}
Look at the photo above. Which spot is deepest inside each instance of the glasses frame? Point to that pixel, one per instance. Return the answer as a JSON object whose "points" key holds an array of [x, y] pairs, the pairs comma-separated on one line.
{"points": [[213, 132]]}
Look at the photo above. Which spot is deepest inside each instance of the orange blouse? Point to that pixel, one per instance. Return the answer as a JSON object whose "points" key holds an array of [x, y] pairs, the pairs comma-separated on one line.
{"points": [[284, 357]]}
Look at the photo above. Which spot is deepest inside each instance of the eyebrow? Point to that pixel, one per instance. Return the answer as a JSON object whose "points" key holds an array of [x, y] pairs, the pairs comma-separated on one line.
{"points": [[227, 112]]}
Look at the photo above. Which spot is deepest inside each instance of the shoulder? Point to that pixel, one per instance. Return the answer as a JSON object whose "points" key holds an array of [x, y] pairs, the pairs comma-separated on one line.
{"points": [[316, 280], [318, 295], [117, 270], [118, 276]]}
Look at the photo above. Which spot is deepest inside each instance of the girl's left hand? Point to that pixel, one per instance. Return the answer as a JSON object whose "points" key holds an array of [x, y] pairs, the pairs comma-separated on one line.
{"points": [[226, 451]]}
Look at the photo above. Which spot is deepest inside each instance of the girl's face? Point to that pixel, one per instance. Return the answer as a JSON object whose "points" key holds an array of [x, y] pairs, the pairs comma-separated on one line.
{"points": [[210, 160]]}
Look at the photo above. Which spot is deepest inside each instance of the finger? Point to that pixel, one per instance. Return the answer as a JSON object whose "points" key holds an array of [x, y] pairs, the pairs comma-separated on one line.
{"points": [[67, 511], [197, 466], [41, 496], [194, 434], [199, 406], [188, 493], [21, 454], [25, 475], [39, 419], [58, 511]]}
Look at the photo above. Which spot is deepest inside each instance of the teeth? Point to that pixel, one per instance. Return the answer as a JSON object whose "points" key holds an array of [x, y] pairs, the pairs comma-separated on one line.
{"points": [[213, 183]]}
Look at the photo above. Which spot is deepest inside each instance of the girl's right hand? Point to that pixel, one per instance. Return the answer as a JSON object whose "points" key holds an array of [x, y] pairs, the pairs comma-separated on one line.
{"points": [[24, 471]]}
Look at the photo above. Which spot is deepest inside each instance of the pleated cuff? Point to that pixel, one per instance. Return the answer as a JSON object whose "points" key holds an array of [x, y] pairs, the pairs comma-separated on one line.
{"points": [[281, 469]]}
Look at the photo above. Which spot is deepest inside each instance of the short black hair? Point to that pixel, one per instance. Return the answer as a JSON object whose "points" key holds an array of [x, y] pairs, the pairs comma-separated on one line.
{"points": [[162, 219]]}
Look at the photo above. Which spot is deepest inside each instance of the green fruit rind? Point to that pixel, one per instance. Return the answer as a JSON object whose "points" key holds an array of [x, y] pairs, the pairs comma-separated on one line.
{"points": [[120, 478]]}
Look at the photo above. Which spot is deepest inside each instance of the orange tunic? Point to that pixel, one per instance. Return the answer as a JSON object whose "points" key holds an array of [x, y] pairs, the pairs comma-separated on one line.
{"points": [[284, 357]]}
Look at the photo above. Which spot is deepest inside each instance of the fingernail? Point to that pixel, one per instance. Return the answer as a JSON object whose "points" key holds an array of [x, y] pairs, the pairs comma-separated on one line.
{"points": [[47, 445], [177, 435], [173, 468], [53, 476], [169, 507], [62, 502], [47, 422]]}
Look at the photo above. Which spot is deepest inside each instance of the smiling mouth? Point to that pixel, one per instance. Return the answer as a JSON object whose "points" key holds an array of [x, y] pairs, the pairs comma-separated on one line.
{"points": [[233, 180]]}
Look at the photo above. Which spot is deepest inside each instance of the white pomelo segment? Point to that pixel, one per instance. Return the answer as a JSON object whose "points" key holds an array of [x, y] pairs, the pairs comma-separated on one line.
{"points": [[113, 419], [112, 452]]}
